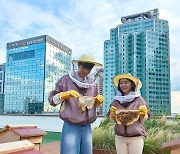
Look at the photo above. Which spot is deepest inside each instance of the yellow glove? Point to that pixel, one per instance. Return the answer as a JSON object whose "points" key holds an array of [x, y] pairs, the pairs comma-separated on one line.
{"points": [[143, 110], [67, 94], [99, 100], [113, 112]]}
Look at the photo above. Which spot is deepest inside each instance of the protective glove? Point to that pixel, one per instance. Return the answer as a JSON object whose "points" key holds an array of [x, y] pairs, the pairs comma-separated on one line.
{"points": [[143, 110], [113, 112], [99, 100], [67, 94]]}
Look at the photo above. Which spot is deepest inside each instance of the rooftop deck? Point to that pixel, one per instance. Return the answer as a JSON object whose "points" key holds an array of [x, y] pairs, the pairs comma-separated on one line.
{"points": [[50, 148]]}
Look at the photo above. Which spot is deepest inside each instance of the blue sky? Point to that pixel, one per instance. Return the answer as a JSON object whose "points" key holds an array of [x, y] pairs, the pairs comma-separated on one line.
{"points": [[84, 25]]}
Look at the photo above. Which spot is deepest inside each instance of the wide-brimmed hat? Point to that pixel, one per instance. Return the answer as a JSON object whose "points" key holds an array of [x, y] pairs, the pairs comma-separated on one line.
{"points": [[136, 81], [87, 58]]}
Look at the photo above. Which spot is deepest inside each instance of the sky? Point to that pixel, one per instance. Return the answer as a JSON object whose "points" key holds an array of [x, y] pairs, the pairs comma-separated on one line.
{"points": [[84, 25]]}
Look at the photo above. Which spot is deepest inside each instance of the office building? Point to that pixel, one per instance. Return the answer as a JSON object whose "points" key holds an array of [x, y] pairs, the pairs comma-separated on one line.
{"points": [[2, 79], [99, 81], [140, 46], [33, 66]]}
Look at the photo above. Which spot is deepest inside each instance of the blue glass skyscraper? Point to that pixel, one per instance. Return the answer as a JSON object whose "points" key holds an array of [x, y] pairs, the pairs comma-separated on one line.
{"points": [[32, 67], [2, 79], [140, 46]]}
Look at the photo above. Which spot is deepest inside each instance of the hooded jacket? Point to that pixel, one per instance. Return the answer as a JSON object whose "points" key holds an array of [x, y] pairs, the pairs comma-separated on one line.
{"points": [[69, 111]]}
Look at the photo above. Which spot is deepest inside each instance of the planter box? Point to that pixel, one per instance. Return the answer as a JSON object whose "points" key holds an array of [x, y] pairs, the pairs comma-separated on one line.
{"points": [[103, 151], [173, 146]]}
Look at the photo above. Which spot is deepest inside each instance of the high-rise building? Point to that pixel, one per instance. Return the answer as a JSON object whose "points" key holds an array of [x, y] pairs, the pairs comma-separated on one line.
{"points": [[99, 81], [33, 66], [2, 79], [140, 46]]}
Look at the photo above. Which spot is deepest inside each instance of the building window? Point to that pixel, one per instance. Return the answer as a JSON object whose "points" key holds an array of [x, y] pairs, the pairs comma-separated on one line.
{"points": [[21, 55]]}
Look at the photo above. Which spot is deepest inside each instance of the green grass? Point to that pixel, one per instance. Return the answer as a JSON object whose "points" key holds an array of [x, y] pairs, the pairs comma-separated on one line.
{"points": [[51, 137]]}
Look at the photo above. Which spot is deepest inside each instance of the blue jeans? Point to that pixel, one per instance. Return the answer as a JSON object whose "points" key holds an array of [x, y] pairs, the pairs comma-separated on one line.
{"points": [[76, 139]]}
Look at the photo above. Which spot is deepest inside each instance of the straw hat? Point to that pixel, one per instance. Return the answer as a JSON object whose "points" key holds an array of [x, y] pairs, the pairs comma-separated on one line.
{"points": [[87, 58], [136, 81]]}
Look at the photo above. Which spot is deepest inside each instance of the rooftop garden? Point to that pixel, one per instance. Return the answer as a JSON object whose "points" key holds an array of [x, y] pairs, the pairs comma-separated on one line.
{"points": [[159, 130]]}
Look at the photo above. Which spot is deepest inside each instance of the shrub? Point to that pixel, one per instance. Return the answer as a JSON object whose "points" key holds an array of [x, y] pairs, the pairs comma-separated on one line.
{"points": [[103, 136], [158, 128]]}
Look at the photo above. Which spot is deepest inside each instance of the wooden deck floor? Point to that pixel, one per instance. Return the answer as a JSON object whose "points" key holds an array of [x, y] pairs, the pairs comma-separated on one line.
{"points": [[50, 148]]}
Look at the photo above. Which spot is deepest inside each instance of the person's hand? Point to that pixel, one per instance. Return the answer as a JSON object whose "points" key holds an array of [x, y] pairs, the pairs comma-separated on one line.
{"points": [[67, 94], [99, 99], [113, 112], [143, 110]]}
